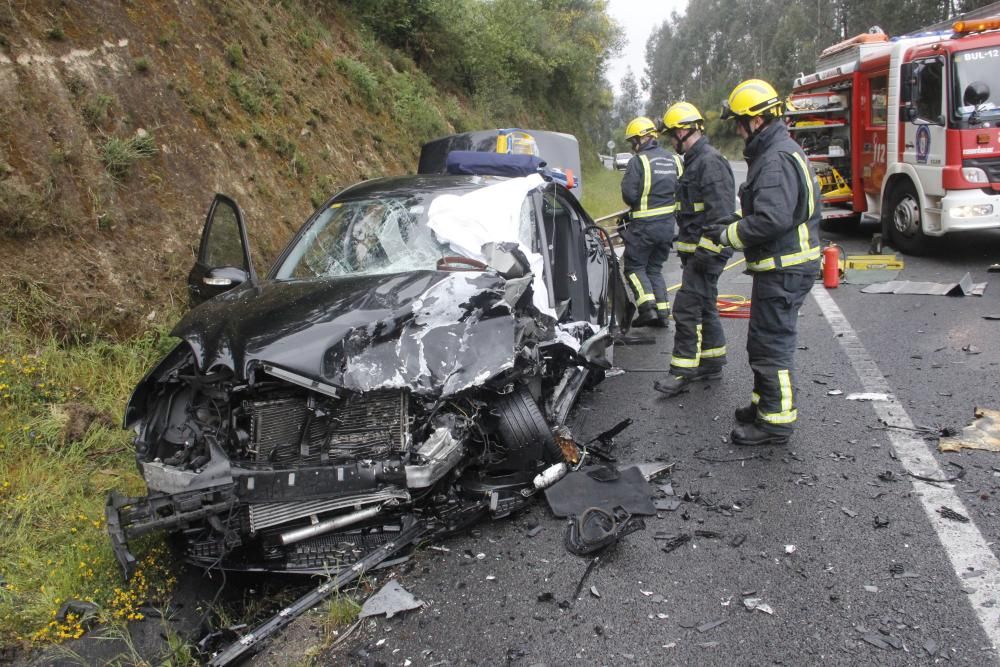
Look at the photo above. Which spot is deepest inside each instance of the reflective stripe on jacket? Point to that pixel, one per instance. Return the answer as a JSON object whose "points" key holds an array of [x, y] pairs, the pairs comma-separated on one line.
{"points": [[706, 195], [781, 206], [649, 185]]}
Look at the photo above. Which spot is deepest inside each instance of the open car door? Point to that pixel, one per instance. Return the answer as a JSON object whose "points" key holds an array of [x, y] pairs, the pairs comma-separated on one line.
{"points": [[580, 268], [223, 260]]}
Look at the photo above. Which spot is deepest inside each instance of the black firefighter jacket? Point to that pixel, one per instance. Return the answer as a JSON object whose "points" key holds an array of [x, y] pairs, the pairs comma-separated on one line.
{"points": [[706, 197], [781, 206], [649, 185]]}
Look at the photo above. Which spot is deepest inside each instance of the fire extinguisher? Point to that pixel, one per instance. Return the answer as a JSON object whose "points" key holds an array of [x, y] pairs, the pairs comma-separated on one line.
{"points": [[831, 265]]}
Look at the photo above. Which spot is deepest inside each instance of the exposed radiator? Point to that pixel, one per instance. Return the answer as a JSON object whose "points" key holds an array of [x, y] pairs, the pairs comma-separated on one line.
{"points": [[265, 515], [365, 426]]}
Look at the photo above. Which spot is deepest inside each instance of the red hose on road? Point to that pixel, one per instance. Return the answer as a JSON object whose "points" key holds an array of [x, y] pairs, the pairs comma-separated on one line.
{"points": [[733, 305]]}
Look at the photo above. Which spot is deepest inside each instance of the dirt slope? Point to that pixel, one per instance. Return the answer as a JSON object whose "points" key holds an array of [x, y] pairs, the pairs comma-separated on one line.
{"points": [[274, 104]]}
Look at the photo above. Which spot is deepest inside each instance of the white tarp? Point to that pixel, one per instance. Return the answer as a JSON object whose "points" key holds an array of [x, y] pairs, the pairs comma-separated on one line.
{"points": [[491, 214]]}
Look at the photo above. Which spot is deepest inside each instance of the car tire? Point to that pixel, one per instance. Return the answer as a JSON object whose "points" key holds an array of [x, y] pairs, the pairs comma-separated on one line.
{"points": [[905, 220], [524, 431]]}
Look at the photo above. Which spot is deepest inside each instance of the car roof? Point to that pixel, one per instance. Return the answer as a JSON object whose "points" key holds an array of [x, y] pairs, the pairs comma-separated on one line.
{"points": [[404, 185]]}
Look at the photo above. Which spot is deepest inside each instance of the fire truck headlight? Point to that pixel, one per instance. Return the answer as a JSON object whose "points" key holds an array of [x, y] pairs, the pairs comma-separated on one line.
{"points": [[974, 175], [975, 211]]}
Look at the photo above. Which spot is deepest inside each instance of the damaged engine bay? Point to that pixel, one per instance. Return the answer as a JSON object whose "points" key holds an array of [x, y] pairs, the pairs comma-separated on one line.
{"points": [[275, 471]]}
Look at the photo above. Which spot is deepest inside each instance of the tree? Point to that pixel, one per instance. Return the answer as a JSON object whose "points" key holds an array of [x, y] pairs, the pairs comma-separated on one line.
{"points": [[628, 104]]}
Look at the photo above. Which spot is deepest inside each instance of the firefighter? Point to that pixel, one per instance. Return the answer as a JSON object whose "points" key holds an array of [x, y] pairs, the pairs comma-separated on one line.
{"points": [[649, 188], [779, 236], [706, 197]]}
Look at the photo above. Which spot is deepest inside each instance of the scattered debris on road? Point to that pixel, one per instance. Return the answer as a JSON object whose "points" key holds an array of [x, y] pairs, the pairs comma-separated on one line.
{"points": [[982, 433], [757, 604], [710, 625], [964, 287], [673, 541], [949, 513], [953, 478], [390, 600], [867, 396]]}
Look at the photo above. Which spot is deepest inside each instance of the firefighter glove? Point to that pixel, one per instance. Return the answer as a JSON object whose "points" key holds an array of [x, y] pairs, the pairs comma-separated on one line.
{"points": [[715, 234]]}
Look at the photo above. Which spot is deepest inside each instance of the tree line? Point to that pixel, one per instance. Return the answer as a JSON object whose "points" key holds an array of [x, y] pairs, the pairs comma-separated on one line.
{"points": [[701, 54], [543, 62], [538, 61]]}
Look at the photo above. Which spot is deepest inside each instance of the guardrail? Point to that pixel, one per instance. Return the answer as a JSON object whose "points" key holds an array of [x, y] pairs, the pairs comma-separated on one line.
{"points": [[617, 214]]}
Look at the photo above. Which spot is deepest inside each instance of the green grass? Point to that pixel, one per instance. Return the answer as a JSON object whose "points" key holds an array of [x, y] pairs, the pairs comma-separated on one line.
{"points": [[27, 211], [234, 55], [341, 611], [61, 451], [337, 615], [602, 193], [362, 79], [243, 91], [95, 111], [414, 104], [119, 154]]}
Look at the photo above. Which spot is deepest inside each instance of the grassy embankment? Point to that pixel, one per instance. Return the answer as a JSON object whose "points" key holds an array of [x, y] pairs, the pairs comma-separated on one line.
{"points": [[62, 450], [602, 191]]}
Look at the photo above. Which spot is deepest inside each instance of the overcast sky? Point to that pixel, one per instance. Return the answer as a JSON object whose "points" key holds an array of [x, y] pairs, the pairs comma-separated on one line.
{"points": [[638, 18]]}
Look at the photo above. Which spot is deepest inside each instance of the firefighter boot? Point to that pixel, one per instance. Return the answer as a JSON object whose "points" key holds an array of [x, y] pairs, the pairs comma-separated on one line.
{"points": [[647, 316], [749, 435], [663, 315], [672, 385], [746, 414], [706, 373]]}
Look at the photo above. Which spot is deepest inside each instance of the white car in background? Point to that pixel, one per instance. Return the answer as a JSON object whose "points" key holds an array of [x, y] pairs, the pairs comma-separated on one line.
{"points": [[621, 160]]}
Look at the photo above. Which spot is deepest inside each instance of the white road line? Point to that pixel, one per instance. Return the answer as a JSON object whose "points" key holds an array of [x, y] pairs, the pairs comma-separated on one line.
{"points": [[964, 544]]}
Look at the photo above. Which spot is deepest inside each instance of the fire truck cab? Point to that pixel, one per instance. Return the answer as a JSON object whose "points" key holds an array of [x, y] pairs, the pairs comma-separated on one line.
{"points": [[906, 131]]}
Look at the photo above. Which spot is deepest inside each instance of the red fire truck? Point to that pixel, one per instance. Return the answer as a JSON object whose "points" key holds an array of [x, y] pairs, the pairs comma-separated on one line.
{"points": [[906, 131]]}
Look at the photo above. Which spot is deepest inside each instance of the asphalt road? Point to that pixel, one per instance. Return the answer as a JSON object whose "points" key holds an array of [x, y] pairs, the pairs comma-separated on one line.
{"points": [[796, 525]]}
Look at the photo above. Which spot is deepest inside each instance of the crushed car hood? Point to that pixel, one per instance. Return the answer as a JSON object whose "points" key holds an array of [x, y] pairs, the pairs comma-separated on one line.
{"points": [[362, 332]]}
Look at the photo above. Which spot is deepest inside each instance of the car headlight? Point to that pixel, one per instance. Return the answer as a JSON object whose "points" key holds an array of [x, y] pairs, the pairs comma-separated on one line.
{"points": [[973, 211], [974, 175]]}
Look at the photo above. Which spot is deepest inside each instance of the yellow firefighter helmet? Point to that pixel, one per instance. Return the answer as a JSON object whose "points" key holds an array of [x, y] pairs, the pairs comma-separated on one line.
{"points": [[753, 97], [683, 115], [639, 127]]}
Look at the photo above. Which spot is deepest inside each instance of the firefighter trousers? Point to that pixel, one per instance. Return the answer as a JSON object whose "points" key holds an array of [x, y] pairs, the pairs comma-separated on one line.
{"points": [[647, 246], [699, 341], [774, 310]]}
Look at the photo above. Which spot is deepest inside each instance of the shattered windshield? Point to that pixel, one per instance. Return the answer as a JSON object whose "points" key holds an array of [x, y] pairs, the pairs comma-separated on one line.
{"points": [[977, 66], [385, 234]]}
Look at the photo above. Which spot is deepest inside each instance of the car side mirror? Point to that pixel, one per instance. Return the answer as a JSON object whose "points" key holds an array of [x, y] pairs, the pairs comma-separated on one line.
{"points": [[225, 277], [911, 114], [506, 259], [975, 94]]}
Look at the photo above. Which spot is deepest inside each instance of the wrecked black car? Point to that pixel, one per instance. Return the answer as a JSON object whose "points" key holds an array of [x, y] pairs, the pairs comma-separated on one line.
{"points": [[406, 358]]}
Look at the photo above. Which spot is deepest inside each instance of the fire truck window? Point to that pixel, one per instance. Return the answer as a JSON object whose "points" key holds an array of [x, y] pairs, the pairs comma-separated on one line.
{"points": [[878, 87], [929, 76]]}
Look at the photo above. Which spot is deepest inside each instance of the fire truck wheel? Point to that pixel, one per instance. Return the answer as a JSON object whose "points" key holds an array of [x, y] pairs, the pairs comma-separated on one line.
{"points": [[905, 225]]}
